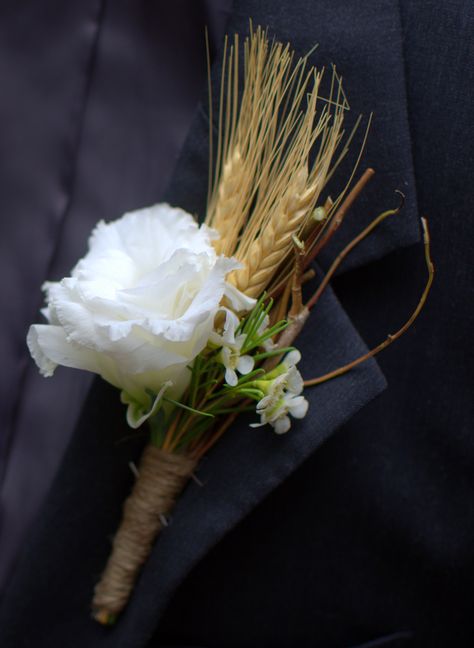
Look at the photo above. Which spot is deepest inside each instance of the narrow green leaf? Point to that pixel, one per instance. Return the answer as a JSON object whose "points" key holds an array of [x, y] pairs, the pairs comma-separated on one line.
{"points": [[270, 354], [186, 407]]}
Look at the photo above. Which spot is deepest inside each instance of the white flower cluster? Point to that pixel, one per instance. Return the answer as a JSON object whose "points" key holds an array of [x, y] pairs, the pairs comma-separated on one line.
{"points": [[282, 388], [231, 344]]}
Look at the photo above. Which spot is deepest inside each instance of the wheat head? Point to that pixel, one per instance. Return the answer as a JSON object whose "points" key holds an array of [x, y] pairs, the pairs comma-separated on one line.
{"points": [[273, 244], [228, 197]]}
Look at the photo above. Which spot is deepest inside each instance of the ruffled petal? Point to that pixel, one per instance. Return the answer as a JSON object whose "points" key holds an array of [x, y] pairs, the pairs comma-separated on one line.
{"points": [[49, 347]]}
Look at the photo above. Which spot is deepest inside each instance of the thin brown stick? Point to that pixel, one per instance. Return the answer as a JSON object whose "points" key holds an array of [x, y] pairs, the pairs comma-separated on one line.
{"points": [[202, 449], [393, 336], [339, 216], [281, 285], [342, 255], [313, 246], [296, 295], [280, 310], [168, 440], [307, 276]]}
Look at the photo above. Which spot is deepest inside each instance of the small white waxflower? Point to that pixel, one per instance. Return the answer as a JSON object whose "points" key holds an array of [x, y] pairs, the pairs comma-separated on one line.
{"points": [[282, 398], [230, 354]]}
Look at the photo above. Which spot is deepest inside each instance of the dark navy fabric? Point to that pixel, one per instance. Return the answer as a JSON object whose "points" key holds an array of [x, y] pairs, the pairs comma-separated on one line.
{"points": [[85, 502], [46, 57], [93, 117], [373, 535], [369, 541]]}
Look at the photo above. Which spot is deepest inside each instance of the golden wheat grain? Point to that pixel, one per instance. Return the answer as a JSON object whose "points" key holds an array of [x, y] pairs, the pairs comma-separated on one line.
{"points": [[227, 201], [270, 248]]}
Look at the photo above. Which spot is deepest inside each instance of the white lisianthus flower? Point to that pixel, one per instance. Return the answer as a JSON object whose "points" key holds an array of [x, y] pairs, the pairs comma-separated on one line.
{"points": [[282, 396], [230, 354], [139, 307]]}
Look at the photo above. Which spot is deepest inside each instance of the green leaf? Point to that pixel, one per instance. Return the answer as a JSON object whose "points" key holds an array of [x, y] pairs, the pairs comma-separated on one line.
{"points": [[270, 354]]}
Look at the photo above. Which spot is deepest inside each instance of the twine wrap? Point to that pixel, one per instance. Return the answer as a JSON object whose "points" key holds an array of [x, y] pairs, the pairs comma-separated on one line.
{"points": [[162, 477]]}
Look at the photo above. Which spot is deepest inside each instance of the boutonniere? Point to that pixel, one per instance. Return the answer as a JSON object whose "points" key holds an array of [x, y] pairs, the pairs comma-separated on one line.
{"points": [[195, 324]]}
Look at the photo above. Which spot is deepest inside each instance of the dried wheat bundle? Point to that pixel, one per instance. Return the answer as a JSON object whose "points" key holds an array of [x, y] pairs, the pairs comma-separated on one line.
{"points": [[265, 187]]}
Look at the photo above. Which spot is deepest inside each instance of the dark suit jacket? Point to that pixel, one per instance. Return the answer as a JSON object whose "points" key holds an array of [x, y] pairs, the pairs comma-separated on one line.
{"points": [[316, 538]]}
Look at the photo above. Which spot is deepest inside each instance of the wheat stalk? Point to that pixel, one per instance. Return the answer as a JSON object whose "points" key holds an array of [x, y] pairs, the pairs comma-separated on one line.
{"points": [[263, 188]]}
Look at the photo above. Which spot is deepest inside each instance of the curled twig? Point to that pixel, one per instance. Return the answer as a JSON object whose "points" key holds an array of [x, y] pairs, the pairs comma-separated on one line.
{"points": [[393, 336], [342, 255]]}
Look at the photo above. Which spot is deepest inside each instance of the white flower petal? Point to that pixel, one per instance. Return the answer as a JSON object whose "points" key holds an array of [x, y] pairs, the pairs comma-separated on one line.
{"points": [[245, 364], [264, 403], [294, 381], [282, 425], [237, 299], [49, 347], [231, 377], [230, 326], [299, 407], [292, 358], [225, 356]]}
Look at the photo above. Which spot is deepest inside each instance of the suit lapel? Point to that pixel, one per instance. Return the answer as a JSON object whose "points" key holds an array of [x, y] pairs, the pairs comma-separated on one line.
{"points": [[71, 541], [248, 464]]}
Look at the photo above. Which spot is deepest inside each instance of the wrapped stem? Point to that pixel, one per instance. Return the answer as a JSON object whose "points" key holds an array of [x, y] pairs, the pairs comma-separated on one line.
{"points": [[162, 476]]}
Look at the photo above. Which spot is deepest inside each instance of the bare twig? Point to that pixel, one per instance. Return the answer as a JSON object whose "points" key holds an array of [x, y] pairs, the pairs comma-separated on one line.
{"points": [[312, 245], [296, 296], [394, 336], [338, 216], [342, 255]]}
